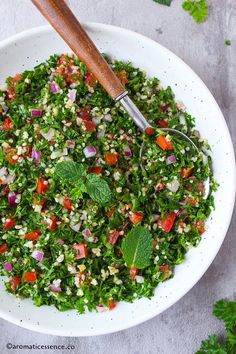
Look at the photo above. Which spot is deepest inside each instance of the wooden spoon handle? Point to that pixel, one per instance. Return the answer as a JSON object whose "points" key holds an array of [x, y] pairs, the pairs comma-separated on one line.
{"points": [[65, 23]]}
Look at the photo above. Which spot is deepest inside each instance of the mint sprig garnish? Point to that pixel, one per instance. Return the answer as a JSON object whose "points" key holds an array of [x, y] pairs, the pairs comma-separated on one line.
{"points": [[137, 248], [75, 174], [164, 2]]}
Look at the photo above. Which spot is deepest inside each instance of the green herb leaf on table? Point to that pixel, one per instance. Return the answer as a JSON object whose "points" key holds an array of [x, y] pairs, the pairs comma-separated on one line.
{"points": [[198, 9], [98, 189], [70, 171], [226, 311], [137, 248], [211, 346], [164, 2]]}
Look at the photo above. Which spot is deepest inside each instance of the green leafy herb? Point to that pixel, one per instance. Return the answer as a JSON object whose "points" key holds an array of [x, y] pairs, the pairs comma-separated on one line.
{"points": [[98, 189], [164, 2], [228, 42], [225, 311], [198, 9], [72, 172], [137, 248]]}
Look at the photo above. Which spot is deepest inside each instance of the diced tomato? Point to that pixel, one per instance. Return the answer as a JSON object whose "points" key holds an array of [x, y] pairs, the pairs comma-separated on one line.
{"points": [[95, 169], [30, 277], [111, 158], [72, 78], [135, 217], [160, 186], [89, 126], [7, 125], [133, 272], [53, 223], [200, 188], [200, 226], [42, 186], [33, 235], [186, 172], [11, 95], [3, 248], [111, 305], [82, 251], [84, 113], [15, 282], [164, 143], [65, 60], [162, 123], [113, 237], [110, 212], [90, 79], [67, 203], [8, 223], [122, 76], [167, 222], [12, 156], [149, 131], [164, 268], [190, 200]]}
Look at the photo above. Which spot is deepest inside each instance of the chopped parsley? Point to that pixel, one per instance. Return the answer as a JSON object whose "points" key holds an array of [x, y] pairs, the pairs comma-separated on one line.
{"points": [[85, 222], [228, 42], [198, 9]]}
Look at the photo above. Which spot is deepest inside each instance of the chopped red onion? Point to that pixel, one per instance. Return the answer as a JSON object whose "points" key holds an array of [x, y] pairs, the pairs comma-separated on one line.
{"points": [[54, 87], [173, 186], [70, 144], [5, 108], [107, 118], [36, 155], [72, 95], [127, 152], [86, 233], [155, 217], [76, 227], [7, 266], [54, 288], [3, 171], [60, 241], [96, 120], [36, 112], [170, 159], [38, 255], [12, 199], [90, 151], [92, 239], [9, 179]]}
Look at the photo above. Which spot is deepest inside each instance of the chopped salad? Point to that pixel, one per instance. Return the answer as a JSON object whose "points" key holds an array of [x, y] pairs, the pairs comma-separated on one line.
{"points": [[85, 222]]}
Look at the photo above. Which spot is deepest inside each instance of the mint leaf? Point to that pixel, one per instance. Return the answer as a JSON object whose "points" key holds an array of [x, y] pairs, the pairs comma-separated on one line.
{"points": [[137, 248], [70, 171], [98, 189], [198, 9], [164, 2]]}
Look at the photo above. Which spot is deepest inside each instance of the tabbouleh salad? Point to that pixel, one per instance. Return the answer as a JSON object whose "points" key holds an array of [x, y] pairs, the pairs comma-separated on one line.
{"points": [[84, 221]]}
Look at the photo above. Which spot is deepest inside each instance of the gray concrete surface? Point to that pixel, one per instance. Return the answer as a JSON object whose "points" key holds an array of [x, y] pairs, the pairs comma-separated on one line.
{"points": [[180, 329]]}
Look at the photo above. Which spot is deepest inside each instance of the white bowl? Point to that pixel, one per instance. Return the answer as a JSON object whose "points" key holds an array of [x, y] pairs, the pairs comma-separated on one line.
{"points": [[29, 48]]}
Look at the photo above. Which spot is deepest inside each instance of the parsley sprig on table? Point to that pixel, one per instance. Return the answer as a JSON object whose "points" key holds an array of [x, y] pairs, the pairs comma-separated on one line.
{"points": [[224, 311], [198, 9]]}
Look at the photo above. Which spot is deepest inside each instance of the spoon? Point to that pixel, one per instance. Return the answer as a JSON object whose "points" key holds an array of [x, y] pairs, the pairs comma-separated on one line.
{"points": [[65, 23]]}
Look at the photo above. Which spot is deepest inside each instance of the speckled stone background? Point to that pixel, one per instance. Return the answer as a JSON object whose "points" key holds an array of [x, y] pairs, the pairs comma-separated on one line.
{"points": [[180, 329]]}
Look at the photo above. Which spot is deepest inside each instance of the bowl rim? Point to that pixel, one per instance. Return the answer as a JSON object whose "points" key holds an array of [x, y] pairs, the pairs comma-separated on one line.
{"points": [[100, 26]]}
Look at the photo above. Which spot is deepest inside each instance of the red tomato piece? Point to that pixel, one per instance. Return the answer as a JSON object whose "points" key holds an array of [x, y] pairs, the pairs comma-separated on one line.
{"points": [[186, 172], [110, 212], [164, 143], [111, 158], [14, 282], [82, 251], [84, 113], [149, 131], [30, 277], [111, 305], [3, 248], [8, 223], [53, 224], [90, 79], [12, 156], [133, 272], [122, 76], [42, 186], [67, 203], [200, 226], [95, 169], [167, 222], [7, 125], [162, 123], [113, 237], [33, 235], [135, 217], [164, 268], [89, 126]]}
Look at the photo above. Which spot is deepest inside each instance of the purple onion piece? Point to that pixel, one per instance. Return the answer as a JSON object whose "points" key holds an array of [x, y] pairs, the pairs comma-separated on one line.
{"points": [[12, 199], [54, 288], [38, 255], [170, 159], [54, 87], [7, 266], [86, 233], [36, 155], [36, 112], [90, 151], [72, 95]]}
